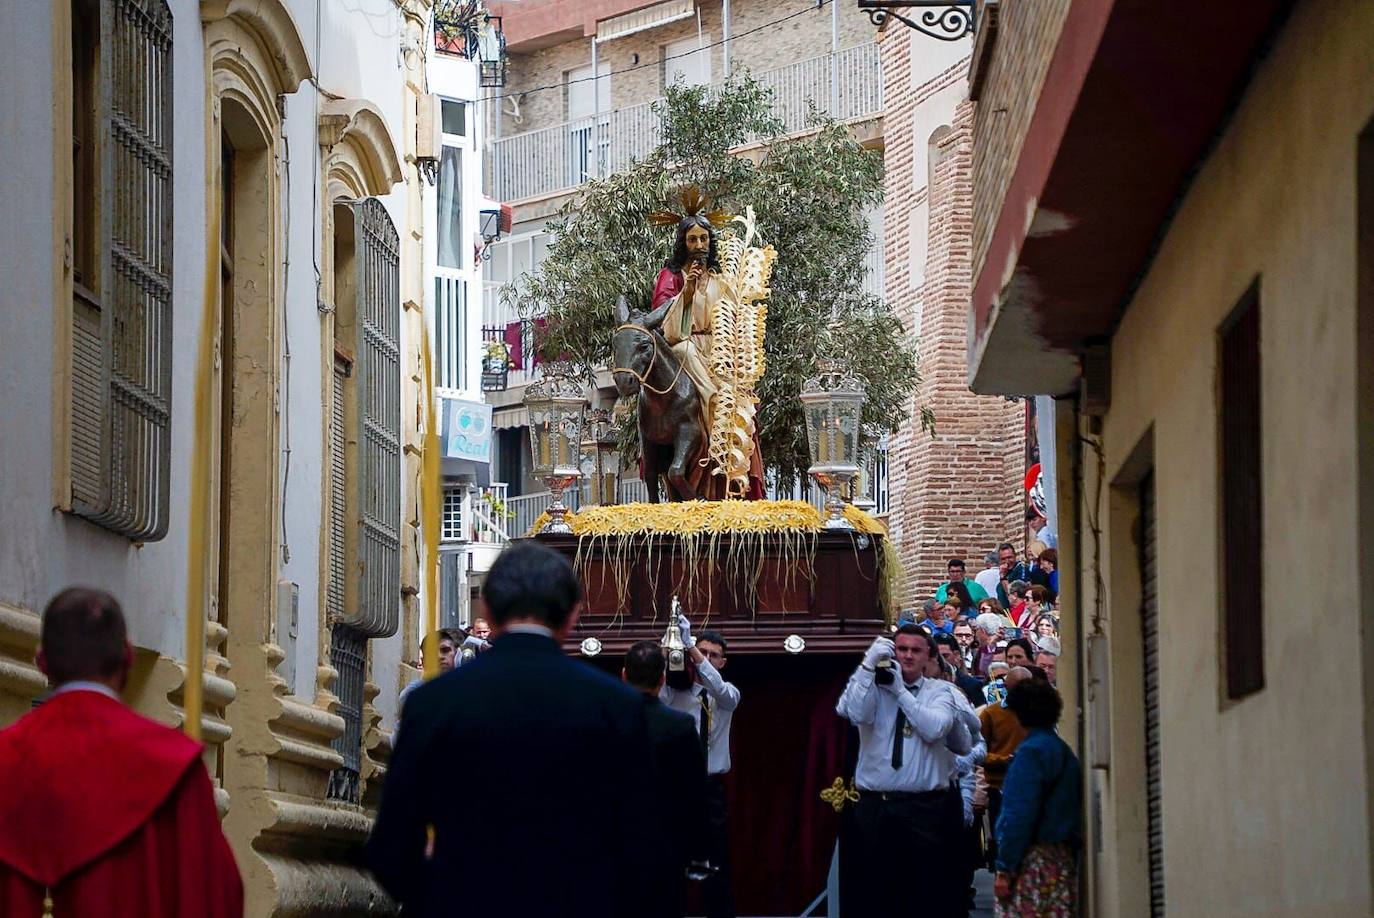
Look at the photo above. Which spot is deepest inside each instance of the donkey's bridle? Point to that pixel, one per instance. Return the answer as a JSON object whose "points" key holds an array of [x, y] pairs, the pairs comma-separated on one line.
{"points": [[650, 368]]}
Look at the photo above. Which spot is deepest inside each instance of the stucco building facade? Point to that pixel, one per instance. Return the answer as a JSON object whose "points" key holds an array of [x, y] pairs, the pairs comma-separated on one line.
{"points": [[214, 338], [1174, 235]]}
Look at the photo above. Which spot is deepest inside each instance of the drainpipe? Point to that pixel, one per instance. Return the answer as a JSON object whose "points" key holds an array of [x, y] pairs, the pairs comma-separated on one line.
{"points": [[596, 107], [725, 33], [834, 59], [1086, 880]]}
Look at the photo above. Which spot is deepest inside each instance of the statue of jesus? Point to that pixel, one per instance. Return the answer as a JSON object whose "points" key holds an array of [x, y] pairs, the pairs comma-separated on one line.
{"points": [[688, 288]]}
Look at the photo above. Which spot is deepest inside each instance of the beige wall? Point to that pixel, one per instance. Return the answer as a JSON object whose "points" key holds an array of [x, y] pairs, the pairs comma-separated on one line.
{"points": [[1265, 799]]}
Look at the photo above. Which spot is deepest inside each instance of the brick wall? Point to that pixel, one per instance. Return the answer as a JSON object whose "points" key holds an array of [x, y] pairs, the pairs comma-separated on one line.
{"points": [[799, 38], [1026, 38], [956, 493]]}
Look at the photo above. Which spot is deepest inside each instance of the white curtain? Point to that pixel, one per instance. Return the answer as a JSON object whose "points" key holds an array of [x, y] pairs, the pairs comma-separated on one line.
{"points": [[450, 216]]}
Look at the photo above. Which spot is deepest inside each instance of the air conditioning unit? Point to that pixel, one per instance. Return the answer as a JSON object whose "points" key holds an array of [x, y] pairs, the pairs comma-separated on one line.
{"points": [[429, 125]]}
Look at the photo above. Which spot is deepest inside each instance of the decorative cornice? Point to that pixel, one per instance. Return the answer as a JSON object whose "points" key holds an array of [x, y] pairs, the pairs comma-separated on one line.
{"points": [[272, 24], [360, 126]]}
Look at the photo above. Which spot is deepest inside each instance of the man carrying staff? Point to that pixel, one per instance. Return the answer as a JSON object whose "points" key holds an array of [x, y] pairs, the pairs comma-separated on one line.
{"points": [[711, 702], [909, 811]]}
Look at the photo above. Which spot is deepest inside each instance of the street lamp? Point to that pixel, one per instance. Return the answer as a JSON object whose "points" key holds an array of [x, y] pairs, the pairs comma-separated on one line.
{"points": [[832, 401], [555, 404], [601, 449], [947, 20]]}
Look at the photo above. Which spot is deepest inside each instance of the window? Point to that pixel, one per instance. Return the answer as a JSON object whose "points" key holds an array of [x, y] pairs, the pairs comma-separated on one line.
{"points": [[587, 96], [121, 247], [1242, 497], [688, 60], [881, 494], [338, 491], [588, 128], [450, 326], [367, 324], [450, 211], [454, 118], [451, 529], [365, 462]]}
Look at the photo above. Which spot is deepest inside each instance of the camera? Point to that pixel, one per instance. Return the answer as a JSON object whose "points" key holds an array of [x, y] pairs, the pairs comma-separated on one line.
{"points": [[884, 672]]}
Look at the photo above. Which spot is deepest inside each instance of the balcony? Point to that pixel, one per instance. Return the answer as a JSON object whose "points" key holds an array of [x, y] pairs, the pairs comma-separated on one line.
{"points": [[502, 324], [847, 86]]}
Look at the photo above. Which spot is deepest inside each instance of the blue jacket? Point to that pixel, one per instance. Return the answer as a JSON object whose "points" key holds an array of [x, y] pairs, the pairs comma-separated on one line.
{"points": [[1043, 765]]}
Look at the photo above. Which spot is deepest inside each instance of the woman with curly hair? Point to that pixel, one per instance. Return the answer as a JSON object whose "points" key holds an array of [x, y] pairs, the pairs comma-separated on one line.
{"points": [[1039, 828]]}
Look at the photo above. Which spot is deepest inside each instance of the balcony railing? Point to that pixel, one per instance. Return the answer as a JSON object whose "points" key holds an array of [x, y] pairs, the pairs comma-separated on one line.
{"points": [[845, 86], [501, 323]]}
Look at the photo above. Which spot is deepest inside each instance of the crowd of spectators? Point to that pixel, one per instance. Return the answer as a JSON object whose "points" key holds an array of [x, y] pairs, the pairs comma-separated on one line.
{"points": [[997, 631]]}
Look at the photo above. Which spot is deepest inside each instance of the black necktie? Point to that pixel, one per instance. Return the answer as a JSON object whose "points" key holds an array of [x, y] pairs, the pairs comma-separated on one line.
{"points": [[704, 722], [897, 732]]}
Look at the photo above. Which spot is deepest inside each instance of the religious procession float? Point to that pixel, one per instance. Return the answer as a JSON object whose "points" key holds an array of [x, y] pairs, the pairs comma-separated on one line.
{"points": [[797, 591], [780, 576]]}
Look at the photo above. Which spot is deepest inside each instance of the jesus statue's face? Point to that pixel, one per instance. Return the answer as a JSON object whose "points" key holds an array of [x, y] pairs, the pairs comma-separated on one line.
{"points": [[698, 243]]}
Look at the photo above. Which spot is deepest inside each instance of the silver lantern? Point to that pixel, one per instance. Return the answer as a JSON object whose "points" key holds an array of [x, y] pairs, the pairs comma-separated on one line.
{"points": [[556, 404], [833, 400]]}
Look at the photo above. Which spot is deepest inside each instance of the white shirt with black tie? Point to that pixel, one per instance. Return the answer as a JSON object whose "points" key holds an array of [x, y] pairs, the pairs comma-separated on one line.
{"points": [[938, 720], [720, 698]]}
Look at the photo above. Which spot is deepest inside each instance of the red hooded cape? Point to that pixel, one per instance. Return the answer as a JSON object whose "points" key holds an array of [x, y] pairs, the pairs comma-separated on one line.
{"points": [[111, 814]]}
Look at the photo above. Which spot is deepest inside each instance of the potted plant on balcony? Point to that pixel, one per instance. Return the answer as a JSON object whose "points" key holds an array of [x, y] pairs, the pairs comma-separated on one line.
{"points": [[495, 365]]}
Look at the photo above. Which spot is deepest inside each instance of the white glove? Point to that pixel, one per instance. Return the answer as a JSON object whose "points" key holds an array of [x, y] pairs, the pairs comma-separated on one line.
{"points": [[685, 628], [881, 649]]}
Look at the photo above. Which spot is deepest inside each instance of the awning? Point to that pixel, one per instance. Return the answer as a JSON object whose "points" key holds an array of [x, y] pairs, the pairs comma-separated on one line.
{"points": [[506, 418], [648, 18]]}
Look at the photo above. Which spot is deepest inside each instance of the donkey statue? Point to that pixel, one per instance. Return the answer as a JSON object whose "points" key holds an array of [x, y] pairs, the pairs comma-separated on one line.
{"points": [[671, 436]]}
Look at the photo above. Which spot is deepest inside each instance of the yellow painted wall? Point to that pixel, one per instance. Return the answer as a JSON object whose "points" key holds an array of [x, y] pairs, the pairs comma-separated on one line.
{"points": [[1265, 799]]}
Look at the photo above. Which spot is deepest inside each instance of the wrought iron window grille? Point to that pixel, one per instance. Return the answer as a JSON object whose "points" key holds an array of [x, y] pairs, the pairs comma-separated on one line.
{"points": [[122, 334]]}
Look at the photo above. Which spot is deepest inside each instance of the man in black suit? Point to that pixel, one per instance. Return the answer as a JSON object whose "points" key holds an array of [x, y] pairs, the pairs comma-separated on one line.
{"points": [[679, 774], [566, 826]]}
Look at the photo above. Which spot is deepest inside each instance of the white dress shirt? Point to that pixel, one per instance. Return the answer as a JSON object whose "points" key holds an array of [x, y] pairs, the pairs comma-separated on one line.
{"points": [[938, 716], [721, 698], [82, 685], [967, 768]]}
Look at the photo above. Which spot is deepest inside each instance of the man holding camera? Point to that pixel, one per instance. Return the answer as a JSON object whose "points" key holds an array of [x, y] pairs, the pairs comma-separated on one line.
{"points": [[711, 701], [911, 729]]}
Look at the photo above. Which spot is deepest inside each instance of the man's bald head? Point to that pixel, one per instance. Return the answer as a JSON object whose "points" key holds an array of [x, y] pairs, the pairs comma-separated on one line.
{"points": [[84, 638], [1017, 674]]}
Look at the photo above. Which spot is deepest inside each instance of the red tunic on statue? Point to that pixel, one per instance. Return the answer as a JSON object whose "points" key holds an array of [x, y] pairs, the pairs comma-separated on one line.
{"points": [[110, 814], [709, 487]]}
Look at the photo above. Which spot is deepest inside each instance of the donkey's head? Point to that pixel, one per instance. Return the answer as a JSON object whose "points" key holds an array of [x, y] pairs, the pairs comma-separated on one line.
{"points": [[632, 350]]}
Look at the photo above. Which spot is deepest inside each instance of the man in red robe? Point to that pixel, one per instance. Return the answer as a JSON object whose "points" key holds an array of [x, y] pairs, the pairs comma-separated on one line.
{"points": [[102, 811]]}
